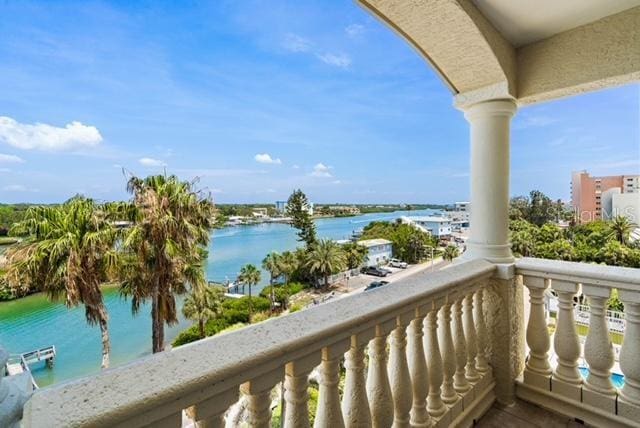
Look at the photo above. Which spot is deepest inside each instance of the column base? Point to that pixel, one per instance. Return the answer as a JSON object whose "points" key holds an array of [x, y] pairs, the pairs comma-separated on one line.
{"points": [[495, 253]]}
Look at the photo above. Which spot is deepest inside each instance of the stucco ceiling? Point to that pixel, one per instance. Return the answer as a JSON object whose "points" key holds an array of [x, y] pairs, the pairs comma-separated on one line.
{"points": [[526, 21]]}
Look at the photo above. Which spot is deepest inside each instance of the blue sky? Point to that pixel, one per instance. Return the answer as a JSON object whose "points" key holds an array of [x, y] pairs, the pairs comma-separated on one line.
{"points": [[257, 98]]}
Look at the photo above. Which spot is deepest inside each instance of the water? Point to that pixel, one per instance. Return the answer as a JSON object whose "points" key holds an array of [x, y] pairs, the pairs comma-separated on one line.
{"points": [[33, 322], [616, 379]]}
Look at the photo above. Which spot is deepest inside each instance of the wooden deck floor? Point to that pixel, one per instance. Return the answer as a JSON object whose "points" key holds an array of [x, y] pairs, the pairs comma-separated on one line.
{"points": [[524, 415]]}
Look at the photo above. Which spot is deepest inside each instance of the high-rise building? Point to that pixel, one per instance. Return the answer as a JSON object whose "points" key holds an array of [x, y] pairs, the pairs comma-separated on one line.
{"points": [[592, 197]]}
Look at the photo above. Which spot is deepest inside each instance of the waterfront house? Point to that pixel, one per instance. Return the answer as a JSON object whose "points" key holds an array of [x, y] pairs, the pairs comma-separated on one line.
{"points": [[379, 251], [444, 348], [439, 227]]}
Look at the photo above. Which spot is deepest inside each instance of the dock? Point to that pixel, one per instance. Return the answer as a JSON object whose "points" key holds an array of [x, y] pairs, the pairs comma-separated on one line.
{"points": [[20, 363]]}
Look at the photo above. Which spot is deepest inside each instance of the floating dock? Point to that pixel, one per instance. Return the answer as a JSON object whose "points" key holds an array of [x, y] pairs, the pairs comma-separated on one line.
{"points": [[18, 364]]}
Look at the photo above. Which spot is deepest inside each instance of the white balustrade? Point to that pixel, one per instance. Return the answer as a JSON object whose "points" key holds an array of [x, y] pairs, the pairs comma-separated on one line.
{"points": [[329, 413], [460, 382], [210, 413], [435, 405], [482, 364], [538, 370], [566, 376], [378, 387], [418, 371], [399, 375], [296, 391], [629, 398], [258, 396], [469, 327], [448, 353], [355, 405]]}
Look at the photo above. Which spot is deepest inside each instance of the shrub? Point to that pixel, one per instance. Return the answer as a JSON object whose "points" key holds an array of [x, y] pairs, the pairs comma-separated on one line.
{"points": [[295, 308]]}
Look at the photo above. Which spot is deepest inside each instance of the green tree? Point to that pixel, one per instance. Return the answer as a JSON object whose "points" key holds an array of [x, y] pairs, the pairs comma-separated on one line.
{"points": [[326, 258], [355, 254], [163, 251], [68, 252], [522, 243], [203, 304], [298, 209], [541, 209], [450, 252], [272, 263], [621, 228], [250, 275]]}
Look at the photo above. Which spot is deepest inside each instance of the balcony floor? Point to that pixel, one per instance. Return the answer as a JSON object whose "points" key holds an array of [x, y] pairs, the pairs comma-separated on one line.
{"points": [[524, 415]]}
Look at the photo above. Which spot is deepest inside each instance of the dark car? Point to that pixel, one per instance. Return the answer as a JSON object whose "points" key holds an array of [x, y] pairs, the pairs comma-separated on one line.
{"points": [[375, 271], [376, 284]]}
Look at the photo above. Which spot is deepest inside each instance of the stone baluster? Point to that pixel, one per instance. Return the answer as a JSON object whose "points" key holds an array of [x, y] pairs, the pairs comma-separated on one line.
{"points": [[355, 406], [258, 395], [537, 371], [460, 383], [378, 387], [210, 413], [296, 391], [598, 390], [399, 376], [482, 364], [419, 372], [629, 398], [470, 335], [566, 378], [448, 354], [435, 406], [329, 413]]}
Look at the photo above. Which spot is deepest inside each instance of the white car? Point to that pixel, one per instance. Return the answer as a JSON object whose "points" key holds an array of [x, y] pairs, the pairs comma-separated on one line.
{"points": [[398, 264]]}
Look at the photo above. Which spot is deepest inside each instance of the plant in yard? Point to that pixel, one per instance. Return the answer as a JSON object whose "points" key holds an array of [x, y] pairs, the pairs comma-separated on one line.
{"points": [[250, 275], [621, 228], [67, 251], [272, 264], [163, 251], [203, 304], [326, 257], [450, 252]]}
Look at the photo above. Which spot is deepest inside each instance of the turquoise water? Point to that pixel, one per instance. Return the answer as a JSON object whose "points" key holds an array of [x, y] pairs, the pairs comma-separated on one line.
{"points": [[616, 379], [34, 322]]}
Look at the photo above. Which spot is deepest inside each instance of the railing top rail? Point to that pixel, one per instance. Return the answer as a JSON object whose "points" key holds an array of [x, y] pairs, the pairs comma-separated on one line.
{"points": [[192, 373], [585, 273]]}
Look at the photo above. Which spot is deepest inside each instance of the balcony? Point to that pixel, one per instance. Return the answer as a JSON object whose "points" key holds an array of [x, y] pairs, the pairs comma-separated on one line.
{"points": [[435, 349]]}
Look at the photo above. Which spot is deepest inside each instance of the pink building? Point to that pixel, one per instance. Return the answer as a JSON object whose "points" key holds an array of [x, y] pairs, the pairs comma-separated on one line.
{"points": [[586, 193]]}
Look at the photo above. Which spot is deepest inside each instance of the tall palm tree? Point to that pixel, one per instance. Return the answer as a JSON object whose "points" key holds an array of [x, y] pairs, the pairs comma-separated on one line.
{"points": [[621, 228], [272, 263], [250, 275], [164, 249], [67, 252], [288, 265], [450, 252], [325, 258], [355, 254], [202, 305]]}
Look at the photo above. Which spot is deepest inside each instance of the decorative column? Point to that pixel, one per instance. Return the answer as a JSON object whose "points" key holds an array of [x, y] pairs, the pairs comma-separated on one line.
{"points": [[258, 394], [296, 391], [419, 372], [470, 335], [378, 387], [482, 339], [598, 390], [355, 406], [435, 406], [329, 413], [448, 353], [210, 413], [537, 371], [399, 376], [460, 382], [490, 128], [629, 398], [566, 378]]}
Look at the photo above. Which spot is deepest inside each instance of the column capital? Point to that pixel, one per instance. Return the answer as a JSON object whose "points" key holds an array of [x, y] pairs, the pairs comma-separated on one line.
{"points": [[495, 107], [498, 91]]}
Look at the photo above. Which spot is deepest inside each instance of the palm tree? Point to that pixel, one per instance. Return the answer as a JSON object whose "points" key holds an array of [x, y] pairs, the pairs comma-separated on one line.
{"points": [[288, 265], [272, 264], [250, 275], [164, 250], [355, 254], [202, 305], [325, 258], [68, 252], [522, 242], [450, 252], [621, 228]]}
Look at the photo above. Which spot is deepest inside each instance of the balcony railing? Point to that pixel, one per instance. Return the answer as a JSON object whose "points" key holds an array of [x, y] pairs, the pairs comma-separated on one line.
{"points": [[433, 369], [416, 353], [558, 384]]}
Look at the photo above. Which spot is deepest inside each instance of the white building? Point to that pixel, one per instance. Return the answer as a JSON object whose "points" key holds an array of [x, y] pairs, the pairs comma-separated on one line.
{"points": [[440, 227], [463, 206], [281, 206], [379, 251], [616, 203]]}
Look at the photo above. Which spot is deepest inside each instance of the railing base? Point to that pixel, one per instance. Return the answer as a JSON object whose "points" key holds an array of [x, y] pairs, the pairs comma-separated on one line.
{"points": [[483, 401], [572, 409]]}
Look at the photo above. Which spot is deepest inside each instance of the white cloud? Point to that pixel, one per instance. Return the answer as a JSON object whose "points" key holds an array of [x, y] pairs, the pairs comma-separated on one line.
{"points": [[296, 167], [295, 43], [41, 136], [354, 30], [17, 188], [5, 170], [216, 190], [321, 170], [10, 159], [336, 182], [151, 162], [337, 60], [266, 158]]}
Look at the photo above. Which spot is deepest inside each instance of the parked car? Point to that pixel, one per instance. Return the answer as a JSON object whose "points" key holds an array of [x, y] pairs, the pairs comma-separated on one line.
{"points": [[375, 271], [398, 264], [376, 284]]}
